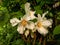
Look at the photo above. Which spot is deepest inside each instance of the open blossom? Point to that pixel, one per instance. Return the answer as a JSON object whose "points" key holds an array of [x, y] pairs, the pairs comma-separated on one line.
{"points": [[43, 23], [24, 22]]}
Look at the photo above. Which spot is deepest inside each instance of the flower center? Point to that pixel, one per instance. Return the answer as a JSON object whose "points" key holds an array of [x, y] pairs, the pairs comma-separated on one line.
{"points": [[23, 22], [39, 24]]}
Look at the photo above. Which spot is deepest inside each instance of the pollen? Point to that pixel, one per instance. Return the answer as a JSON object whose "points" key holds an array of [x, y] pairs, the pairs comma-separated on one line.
{"points": [[23, 22], [39, 24]]}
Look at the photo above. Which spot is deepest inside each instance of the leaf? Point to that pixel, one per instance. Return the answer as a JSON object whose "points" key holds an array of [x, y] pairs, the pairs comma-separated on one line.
{"points": [[56, 30], [42, 3], [38, 1], [22, 6], [38, 10], [18, 42], [4, 15], [50, 14], [17, 14]]}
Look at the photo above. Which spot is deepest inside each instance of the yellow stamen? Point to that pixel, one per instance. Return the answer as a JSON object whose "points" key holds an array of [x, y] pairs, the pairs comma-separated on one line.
{"points": [[39, 24], [23, 22]]}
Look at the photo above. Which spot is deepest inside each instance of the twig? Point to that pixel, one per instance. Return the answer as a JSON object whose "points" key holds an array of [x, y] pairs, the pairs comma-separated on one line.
{"points": [[34, 39]]}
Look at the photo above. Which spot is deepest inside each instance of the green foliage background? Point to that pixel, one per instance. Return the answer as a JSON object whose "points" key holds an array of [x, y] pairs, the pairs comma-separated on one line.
{"points": [[15, 8]]}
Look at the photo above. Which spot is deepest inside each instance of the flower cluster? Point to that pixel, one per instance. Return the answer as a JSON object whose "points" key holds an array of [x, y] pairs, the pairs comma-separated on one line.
{"points": [[26, 26]]}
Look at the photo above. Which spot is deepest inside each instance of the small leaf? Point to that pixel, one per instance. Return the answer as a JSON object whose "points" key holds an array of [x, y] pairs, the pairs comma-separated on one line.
{"points": [[38, 10], [56, 30]]}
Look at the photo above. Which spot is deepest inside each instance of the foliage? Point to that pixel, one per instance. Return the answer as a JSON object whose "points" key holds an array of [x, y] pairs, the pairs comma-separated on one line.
{"points": [[15, 8]]}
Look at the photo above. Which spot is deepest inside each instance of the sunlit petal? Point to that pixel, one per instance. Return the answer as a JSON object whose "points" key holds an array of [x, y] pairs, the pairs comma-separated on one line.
{"points": [[20, 29], [42, 30], [26, 17], [32, 14], [47, 23], [31, 25], [14, 21], [32, 35], [43, 15], [26, 33], [27, 7]]}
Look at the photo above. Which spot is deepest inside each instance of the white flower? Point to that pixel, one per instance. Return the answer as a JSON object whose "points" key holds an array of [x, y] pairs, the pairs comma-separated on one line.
{"points": [[26, 33], [43, 23], [24, 20], [22, 24]]}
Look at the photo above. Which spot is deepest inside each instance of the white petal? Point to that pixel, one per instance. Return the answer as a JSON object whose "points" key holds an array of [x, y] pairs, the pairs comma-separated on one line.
{"points": [[20, 29], [31, 25], [27, 7], [39, 18], [26, 17], [26, 33], [29, 16], [42, 30], [32, 35], [47, 23], [32, 14], [14, 21], [43, 15], [34, 30]]}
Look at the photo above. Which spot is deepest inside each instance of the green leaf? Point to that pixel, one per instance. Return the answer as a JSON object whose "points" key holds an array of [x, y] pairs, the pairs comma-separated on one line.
{"points": [[17, 14], [18, 42], [38, 10], [56, 30], [4, 15], [38, 1], [22, 6], [50, 14]]}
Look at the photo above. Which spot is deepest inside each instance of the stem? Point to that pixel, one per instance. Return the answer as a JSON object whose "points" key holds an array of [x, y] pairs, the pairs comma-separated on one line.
{"points": [[40, 40], [44, 42], [23, 37], [34, 39]]}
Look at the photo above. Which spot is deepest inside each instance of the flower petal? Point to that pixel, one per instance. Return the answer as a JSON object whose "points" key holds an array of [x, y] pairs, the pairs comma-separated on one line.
{"points": [[39, 18], [26, 17], [20, 29], [31, 25], [32, 35], [47, 23], [27, 7], [42, 30], [14, 21], [32, 15], [43, 15], [26, 33], [29, 16]]}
